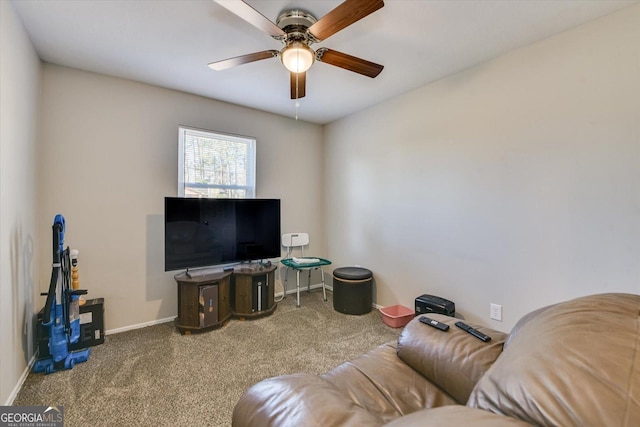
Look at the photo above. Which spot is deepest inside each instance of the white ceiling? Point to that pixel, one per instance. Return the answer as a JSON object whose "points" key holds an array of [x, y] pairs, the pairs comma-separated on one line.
{"points": [[170, 42]]}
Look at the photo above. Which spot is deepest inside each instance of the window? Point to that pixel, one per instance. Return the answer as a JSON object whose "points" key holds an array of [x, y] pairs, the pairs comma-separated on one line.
{"points": [[215, 165]]}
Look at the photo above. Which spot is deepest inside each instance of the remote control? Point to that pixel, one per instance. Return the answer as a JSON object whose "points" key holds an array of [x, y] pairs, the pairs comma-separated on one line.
{"points": [[434, 323], [476, 333]]}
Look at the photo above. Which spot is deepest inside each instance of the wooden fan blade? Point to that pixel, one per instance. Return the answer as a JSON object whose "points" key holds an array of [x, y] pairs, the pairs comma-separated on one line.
{"points": [[298, 83], [252, 16], [244, 59], [348, 62], [342, 16]]}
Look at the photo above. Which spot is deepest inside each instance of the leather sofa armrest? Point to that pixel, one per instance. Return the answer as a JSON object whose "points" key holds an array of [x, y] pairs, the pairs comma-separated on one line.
{"points": [[296, 400], [381, 383], [457, 415], [453, 360]]}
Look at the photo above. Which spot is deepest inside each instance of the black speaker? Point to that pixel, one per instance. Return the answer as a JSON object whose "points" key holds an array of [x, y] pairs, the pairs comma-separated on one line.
{"points": [[426, 304]]}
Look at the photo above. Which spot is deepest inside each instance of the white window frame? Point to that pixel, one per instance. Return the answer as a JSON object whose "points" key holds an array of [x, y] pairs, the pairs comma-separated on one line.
{"points": [[250, 188]]}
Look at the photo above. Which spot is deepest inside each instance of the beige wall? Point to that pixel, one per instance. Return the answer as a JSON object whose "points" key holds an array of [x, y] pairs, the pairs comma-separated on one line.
{"points": [[19, 96], [515, 182], [109, 152]]}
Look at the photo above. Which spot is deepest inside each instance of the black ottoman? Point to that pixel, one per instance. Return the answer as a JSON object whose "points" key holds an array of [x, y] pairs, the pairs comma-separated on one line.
{"points": [[352, 291]]}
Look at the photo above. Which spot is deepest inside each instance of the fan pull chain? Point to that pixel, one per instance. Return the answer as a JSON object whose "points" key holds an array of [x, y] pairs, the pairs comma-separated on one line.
{"points": [[297, 104]]}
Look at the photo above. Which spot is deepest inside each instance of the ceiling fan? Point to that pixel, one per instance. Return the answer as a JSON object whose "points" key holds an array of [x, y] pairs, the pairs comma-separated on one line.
{"points": [[298, 30]]}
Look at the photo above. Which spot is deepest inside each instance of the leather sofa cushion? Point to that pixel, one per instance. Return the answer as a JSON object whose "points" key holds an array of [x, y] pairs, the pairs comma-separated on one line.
{"points": [[575, 363], [523, 321], [452, 360]]}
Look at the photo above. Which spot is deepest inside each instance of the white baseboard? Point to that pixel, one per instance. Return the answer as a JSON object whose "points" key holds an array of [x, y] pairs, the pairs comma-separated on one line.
{"points": [[26, 371], [316, 286], [171, 319], [139, 325], [20, 382]]}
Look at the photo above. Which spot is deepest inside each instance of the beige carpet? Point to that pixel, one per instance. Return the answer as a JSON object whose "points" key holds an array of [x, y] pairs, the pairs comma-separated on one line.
{"points": [[155, 376]]}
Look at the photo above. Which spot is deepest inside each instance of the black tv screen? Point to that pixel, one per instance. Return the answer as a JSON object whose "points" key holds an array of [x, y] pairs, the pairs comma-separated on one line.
{"points": [[205, 232]]}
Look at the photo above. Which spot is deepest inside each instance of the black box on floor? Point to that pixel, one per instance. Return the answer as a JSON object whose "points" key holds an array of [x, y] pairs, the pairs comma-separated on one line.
{"points": [[91, 324], [426, 304]]}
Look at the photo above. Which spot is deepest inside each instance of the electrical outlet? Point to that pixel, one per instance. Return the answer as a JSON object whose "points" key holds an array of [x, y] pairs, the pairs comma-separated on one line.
{"points": [[496, 312]]}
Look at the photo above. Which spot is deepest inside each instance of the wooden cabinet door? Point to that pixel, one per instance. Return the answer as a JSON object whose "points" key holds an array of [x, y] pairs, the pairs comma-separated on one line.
{"points": [[271, 291], [243, 294], [208, 302], [188, 305], [224, 305]]}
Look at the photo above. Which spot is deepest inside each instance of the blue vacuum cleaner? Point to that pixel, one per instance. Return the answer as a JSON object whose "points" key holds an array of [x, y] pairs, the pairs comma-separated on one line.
{"points": [[60, 322]]}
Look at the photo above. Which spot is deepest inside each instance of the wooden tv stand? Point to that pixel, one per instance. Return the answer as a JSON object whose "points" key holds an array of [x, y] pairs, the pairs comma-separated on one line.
{"points": [[208, 300]]}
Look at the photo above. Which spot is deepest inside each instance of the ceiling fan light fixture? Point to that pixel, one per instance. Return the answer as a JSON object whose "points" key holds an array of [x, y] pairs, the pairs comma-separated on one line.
{"points": [[297, 57]]}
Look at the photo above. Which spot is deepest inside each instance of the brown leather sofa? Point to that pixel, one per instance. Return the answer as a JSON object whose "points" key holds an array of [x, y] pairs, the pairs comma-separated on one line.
{"points": [[575, 363]]}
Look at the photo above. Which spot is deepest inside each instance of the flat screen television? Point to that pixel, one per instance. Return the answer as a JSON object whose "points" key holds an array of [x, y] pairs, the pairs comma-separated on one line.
{"points": [[207, 232]]}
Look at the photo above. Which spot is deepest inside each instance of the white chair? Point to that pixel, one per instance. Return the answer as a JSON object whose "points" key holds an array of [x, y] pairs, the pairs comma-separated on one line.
{"points": [[291, 241]]}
